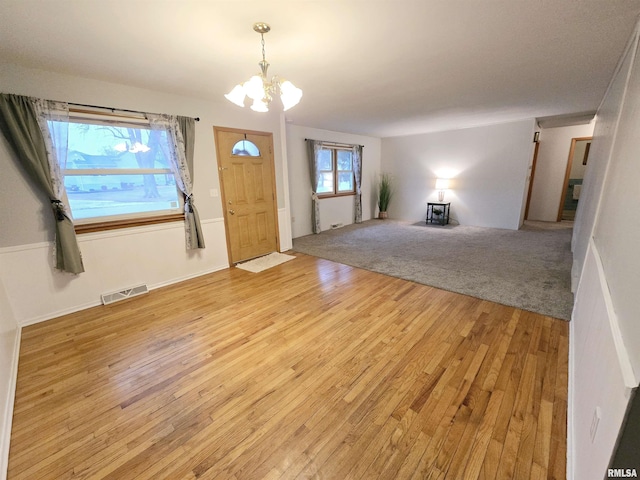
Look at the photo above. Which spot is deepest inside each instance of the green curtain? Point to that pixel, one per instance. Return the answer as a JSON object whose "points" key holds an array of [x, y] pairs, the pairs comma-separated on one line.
{"points": [[356, 157], [188, 129], [312, 152], [182, 131], [20, 124], [187, 126]]}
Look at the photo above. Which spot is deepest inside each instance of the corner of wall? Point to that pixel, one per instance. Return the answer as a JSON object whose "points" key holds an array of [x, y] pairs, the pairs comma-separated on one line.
{"points": [[9, 397]]}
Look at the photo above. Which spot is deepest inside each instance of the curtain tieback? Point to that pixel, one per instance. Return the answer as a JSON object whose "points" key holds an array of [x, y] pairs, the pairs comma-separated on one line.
{"points": [[314, 195], [188, 203], [58, 209]]}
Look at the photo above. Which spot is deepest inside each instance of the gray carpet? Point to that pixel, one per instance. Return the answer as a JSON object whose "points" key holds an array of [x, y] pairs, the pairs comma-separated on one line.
{"points": [[528, 269]]}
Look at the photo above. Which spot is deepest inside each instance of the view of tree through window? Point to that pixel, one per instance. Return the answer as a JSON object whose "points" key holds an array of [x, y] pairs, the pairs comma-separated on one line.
{"points": [[118, 169]]}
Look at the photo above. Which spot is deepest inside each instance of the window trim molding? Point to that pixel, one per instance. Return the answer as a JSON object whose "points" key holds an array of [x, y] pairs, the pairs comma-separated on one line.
{"points": [[334, 163], [126, 223], [334, 195]]}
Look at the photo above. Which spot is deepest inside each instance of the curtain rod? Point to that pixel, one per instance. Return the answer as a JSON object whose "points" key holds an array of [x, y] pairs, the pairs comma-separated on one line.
{"points": [[197, 119], [336, 143]]}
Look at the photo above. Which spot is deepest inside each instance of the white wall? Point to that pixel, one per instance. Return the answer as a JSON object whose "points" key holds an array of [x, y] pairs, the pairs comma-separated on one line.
{"points": [[599, 154], [153, 255], [551, 167], [488, 166], [605, 339], [617, 231], [9, 349], [332, 210]]}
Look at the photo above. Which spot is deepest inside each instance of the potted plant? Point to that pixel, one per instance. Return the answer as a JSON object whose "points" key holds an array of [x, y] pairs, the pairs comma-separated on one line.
{"points": [[385, 192]]}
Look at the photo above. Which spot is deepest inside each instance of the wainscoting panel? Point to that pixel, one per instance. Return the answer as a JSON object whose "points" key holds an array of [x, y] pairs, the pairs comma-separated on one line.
{"points": [[600, 376], [284, 224], [9, 352], [155, 256]]}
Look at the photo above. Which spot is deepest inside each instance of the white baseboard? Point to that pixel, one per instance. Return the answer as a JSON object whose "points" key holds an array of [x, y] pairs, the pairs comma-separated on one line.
{"points": [[188, 277], [7, 413], [58, 313], [78, 308]]}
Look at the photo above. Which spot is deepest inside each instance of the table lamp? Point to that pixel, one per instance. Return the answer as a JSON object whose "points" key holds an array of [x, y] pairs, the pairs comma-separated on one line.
{"points": [[441, 185]]}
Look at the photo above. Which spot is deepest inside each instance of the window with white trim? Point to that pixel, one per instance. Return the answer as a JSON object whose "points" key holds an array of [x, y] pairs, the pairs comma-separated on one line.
{"points": [[335, 172], [118, 172]]}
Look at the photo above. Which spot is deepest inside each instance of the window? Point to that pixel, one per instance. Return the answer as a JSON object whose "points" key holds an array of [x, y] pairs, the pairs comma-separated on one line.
{"points": [[118, 173], [245, 148], [335, 172]]}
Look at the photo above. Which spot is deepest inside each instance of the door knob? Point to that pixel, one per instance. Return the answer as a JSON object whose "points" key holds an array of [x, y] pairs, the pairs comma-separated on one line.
{"points": [[232, 212]]}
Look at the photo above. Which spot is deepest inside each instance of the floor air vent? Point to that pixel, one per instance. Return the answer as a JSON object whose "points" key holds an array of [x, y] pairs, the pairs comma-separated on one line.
{"points": [[108, 298]]}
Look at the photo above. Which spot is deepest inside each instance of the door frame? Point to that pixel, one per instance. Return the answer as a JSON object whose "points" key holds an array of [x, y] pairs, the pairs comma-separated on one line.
{"points": [[567, 173], [223, 196], [531, 177]]}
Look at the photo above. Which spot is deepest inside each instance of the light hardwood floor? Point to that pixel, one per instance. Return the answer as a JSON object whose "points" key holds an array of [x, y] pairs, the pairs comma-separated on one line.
{"points": [[311, 369]]}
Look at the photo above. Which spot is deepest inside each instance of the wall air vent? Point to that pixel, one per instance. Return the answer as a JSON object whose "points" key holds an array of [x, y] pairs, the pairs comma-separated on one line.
{"points": [[108, 298]]}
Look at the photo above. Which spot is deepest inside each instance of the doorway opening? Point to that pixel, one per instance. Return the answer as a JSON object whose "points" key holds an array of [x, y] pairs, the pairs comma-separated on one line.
{"points": [[576, 166]]}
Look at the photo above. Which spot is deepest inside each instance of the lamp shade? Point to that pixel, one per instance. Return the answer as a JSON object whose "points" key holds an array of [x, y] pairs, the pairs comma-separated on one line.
{"points": [[236, 95], [442, 183], [289, 94], [259, 106], [254, 88]]}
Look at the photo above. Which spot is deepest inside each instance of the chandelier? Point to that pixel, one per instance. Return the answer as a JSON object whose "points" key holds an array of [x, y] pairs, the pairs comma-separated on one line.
{"points": [[261, 89]]}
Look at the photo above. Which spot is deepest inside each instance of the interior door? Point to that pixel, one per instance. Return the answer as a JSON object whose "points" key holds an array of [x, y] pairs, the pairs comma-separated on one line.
{"points": [[576, 167], [245, 163]]}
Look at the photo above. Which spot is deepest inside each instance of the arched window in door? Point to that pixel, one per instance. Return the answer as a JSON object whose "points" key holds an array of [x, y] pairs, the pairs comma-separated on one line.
{"points": [[245, 148]]}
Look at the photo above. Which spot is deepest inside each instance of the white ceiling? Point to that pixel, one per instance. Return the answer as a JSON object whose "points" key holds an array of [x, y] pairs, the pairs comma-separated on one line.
{"points": [[374, 67]]}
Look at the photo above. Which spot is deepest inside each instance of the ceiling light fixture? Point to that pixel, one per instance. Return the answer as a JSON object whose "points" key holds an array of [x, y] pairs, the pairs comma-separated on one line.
{"points": [[262, 90]]}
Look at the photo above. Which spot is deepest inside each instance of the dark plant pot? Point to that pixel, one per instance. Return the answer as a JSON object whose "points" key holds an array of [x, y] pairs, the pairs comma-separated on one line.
{"points": [[382, 215]]}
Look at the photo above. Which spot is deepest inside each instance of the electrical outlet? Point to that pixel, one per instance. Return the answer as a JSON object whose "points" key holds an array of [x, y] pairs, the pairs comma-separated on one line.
{"points": [[214, 192], [597, 413]]}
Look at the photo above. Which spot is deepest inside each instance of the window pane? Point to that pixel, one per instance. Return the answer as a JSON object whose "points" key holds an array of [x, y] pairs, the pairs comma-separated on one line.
{"points": [[344, 160], [93, 196], [324, 160], [245, 148], [325, 182], [345, 182], [109, 146]]}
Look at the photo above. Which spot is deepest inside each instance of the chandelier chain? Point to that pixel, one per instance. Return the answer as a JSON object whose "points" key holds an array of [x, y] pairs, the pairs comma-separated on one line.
{"points": [[263, 57]]}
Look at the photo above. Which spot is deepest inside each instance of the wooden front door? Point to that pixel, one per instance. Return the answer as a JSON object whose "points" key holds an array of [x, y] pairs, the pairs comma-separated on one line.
{"points": [[246, 167]]}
